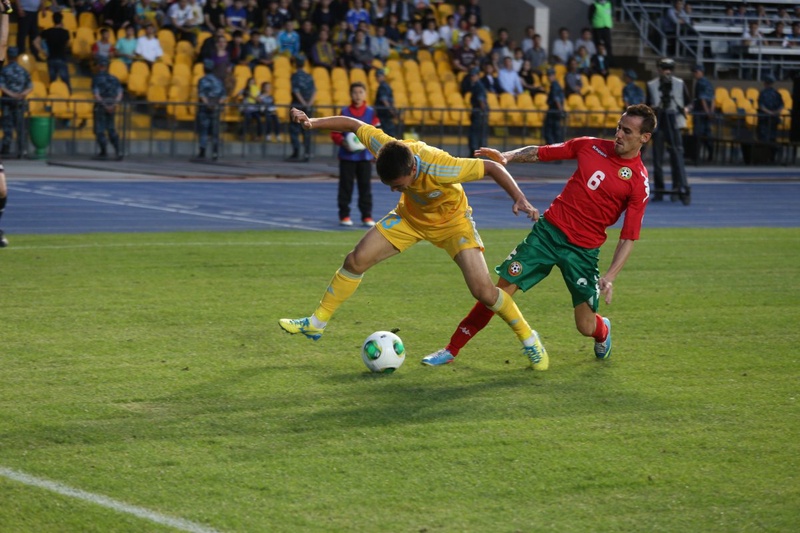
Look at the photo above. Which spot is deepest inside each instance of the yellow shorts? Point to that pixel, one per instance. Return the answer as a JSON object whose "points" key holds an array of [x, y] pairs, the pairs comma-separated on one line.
{"points": [[460, 234]]}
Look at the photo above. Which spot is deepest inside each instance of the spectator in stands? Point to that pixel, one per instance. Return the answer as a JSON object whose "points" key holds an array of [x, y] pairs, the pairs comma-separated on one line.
{"points": [[414, 38], [221, 64], [586, 41], [255, 53], [211, 93], [573, 84], [778, 36], [357, 14], [501, 44], [379, 13], [763, 19], [527, 41], [793, 40], [308, 36], [743, 15], [562, 49], [286, 9], [431, 38], [270, 40], [57, 41], [341, 35], [182, 19], [796, 15], [508, 78], [518, 59], [703, 110], [584, 61], [107, 93], [323, 54], [118, 13], [537, 55], [729, 18], [208, 48], [236, 16], [530, 79], [275, 17], [782, 16], [600, 61], [394, 34], [601, 17], [553, 130], [402, 9], [324, 15], [379, 44], [489, 79], [346, 58], [270, 113], [752, 37], [15, 85], [632, 94], [255, 15], [125, 47], [214, 15], [479, 113], [361, 51], [236, 50], [148, 13], [251, 111], [770, 107], [449, 32], [289, 40], [103, 48], [464, 57], [473, 9], [304, 92], [384, 104], [477, 42], [674, 23], [28, 24], [148, 47]]}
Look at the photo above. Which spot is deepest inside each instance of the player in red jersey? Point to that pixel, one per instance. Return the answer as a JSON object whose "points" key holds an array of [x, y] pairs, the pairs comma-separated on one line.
{"points": [[610, 180]]}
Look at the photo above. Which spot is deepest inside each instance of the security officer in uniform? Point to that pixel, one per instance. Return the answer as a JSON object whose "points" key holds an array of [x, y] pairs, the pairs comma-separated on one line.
{"points": [[479, 116], [304, 92], [703, 110], [107, 92], [553, 130], [667, 95], [211, 93], [770, 107], [15, 84], [384, 104]]}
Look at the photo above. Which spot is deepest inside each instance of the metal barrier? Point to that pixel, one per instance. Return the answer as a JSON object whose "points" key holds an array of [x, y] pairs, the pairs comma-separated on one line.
{"points": [[170, 129]]}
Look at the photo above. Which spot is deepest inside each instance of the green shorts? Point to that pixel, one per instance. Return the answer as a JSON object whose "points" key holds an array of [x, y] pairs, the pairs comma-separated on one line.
{"points": [[547, 246]]}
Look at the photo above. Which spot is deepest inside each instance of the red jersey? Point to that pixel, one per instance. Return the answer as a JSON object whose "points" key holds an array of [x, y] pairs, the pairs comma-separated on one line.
{"points": [[601, 189]]}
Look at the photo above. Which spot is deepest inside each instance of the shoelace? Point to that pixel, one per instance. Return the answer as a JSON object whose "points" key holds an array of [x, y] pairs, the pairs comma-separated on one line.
{"points": [[532, 353]]}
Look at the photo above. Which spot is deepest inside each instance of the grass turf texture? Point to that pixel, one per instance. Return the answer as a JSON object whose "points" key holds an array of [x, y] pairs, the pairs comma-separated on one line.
{"points": [[150, 369]]}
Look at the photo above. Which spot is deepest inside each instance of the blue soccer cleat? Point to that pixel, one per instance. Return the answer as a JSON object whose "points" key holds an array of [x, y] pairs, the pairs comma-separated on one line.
{"points": [[602, 350], [442, 357], [537, 354], [301, 325]]}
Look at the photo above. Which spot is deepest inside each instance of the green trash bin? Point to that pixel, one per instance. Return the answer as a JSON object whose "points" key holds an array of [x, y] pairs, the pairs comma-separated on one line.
{"points": [[41, 131]]}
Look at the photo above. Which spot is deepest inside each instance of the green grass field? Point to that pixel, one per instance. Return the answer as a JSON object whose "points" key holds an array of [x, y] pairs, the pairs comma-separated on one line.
{"points": [[150, 369]]}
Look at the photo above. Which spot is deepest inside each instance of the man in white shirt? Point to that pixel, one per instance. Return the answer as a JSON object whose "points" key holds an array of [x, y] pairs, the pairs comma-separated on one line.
{"points": [[182, 17], [148, 47], [508, 78], [586, 41], [562, 48]]}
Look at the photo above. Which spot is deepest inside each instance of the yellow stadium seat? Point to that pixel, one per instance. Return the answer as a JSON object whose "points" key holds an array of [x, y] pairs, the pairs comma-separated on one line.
{"points": [[81, 45], [509, 105], [69, 21], [184, 47], [198, 70], [281, 63], [614, 84], [58, 89], [752, 94], [240, 71], [424, 55], [181, 74], [160, 75], [167, 40], [45, 19], [262, 74], [721, 94], [737, 94], [87, 19], [201, 38], [118, 68], [486, 40], [358, 74], [787, 98], [138, 78]]}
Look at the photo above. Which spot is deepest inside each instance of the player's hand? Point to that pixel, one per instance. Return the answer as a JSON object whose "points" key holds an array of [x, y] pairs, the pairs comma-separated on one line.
{"points": [[301, 118], [526, 207], [491, 153], [606, 289]]}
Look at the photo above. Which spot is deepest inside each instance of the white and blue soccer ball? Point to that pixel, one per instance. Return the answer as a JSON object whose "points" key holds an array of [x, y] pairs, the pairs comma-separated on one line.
{"points": [[383, 352], [352, 143]]}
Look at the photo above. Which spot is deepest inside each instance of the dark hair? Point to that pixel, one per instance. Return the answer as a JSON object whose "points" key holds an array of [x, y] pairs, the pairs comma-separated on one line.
{"points": [[647, 114], [57, 18], [357, 84], [394, 161]]}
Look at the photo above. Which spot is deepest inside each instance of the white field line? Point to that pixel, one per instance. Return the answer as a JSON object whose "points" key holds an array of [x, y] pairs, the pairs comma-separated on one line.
{"points": [[89, 198], [169, 245], [104, 501]]}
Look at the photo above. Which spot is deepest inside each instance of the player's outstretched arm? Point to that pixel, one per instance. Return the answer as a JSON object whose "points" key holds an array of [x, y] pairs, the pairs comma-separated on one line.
{"points": [[501, 176], [335, 123], [526, 154]]}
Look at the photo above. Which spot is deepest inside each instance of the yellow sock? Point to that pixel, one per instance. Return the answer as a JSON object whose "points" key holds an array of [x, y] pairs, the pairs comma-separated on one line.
{"points": [[341, 287], [506, 308]]}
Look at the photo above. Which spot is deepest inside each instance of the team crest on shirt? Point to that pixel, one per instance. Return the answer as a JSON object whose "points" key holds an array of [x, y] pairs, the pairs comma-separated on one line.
{"points": [[625, 173], [515, 268]]}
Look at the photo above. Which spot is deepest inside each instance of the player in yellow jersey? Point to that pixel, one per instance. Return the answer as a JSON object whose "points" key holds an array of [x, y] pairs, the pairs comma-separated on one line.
{"points": [[433, 207]]}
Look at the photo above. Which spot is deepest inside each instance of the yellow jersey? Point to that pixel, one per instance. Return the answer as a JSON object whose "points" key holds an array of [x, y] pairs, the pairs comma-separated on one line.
{"points": [[436, 196]]}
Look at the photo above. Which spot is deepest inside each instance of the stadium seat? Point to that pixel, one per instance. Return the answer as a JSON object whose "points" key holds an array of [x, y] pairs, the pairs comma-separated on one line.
{"points": [[87, 19], [81, 45], [139, 78], [160, 75], [167, 40], [752, 94], [184, 47], [118, 68], [787, 98], [69, 21], [262, 73]]}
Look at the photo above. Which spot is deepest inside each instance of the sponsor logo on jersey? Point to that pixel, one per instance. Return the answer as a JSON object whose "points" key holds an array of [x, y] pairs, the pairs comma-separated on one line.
{"points": [[434, 194], [515, 268], [625, 173], [599, 151]]}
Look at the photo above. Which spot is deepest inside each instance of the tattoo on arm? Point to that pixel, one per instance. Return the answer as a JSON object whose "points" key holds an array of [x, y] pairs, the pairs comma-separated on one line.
{"points": [[527, 154]]}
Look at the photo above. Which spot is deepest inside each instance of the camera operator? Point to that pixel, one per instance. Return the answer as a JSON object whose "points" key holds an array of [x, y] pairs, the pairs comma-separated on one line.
{"points": [[667, 95]]}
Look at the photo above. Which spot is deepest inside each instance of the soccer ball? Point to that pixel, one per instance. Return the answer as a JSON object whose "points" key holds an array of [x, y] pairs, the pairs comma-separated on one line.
{"points": [[352, 143], [383, 352]]}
